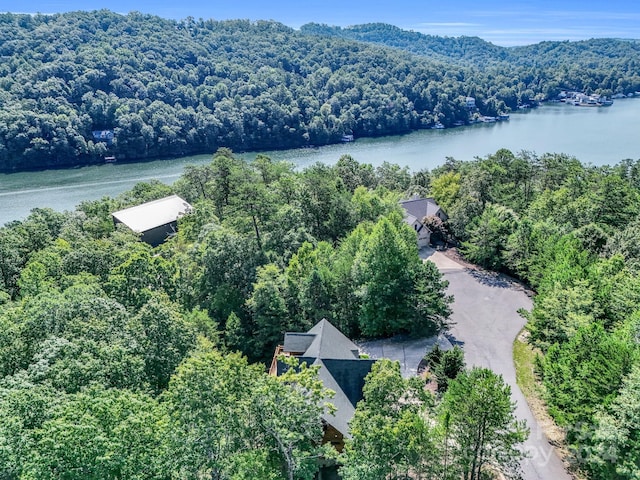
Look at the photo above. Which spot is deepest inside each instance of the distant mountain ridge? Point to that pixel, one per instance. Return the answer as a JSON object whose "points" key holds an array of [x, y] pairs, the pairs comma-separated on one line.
{"points": [[451, 48], [475, 49]]}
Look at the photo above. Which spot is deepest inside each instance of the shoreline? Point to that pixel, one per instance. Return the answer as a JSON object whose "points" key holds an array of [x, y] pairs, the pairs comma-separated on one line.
{"points": [[607, 137], [244, 152], [241, 152]]}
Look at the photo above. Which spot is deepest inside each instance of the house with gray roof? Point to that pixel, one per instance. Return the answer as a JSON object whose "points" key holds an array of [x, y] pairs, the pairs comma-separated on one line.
{"points": [[155, 221], [341, 370], [105, 136], [415, 211]]}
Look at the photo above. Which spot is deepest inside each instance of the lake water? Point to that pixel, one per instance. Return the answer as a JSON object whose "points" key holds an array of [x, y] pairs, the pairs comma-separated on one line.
{"points": [[598, 136]]}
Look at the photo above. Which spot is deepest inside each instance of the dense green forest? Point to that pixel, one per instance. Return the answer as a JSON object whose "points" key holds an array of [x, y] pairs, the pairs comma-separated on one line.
{"points": [[541, 71], [117, 359], [107, 344], [572, 232], [167, 88], [596, 54]]}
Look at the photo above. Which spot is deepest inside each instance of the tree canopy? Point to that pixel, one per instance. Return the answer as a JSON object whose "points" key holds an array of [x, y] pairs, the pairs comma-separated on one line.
{"points": [[568, 230], [78, 87]]}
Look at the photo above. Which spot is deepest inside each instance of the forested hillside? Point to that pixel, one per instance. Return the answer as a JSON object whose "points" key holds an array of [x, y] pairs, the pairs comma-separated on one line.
{"points": [[572, 232], [172, 88], [467, 49], [166, 88], [604, 66]]}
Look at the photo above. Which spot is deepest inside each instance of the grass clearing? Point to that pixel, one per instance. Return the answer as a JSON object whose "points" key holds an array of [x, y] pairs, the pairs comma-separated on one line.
{"points": [[524, 356], [524, 360]]}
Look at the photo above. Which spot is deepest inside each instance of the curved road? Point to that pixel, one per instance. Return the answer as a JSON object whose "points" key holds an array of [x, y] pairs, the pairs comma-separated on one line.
{"points": [[486, 324]]}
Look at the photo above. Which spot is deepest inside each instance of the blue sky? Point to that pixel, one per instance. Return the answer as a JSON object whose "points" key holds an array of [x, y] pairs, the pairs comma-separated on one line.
{"points": [[502, 22]]}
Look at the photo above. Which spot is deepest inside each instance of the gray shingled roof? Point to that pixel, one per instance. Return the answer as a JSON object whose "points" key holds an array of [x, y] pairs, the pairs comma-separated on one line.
{"points": [[410, 219], [341, 368], [329, 342], [420, 207], [297, 342], [349, 374], [346, 379], [149, 215]]}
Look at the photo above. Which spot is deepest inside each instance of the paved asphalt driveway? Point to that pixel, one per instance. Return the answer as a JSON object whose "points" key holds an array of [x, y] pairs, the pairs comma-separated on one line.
{"points": [[486, 323], [408, 351]]}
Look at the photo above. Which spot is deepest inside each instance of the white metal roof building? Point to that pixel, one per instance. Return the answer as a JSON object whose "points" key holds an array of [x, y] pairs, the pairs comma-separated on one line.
{"points": [[154, 220]]}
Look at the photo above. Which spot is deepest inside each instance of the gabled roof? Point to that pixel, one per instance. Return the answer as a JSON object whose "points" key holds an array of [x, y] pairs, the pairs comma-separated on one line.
{"points": [[329, 342], [341, 368], [420, 208], [156, 213]]}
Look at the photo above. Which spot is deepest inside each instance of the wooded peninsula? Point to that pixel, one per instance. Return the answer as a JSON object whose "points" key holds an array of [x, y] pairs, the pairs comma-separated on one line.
{"points": [[80, 87]]}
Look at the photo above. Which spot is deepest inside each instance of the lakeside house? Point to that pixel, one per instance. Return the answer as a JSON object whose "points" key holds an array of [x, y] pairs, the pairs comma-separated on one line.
{"points": [[470, 103], [155, 221], [105, 136], [341, 370], [416, 210], [580, 99]]}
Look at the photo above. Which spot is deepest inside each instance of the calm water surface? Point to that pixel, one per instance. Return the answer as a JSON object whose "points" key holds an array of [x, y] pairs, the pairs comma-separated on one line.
{"points": [[593, 135]]}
